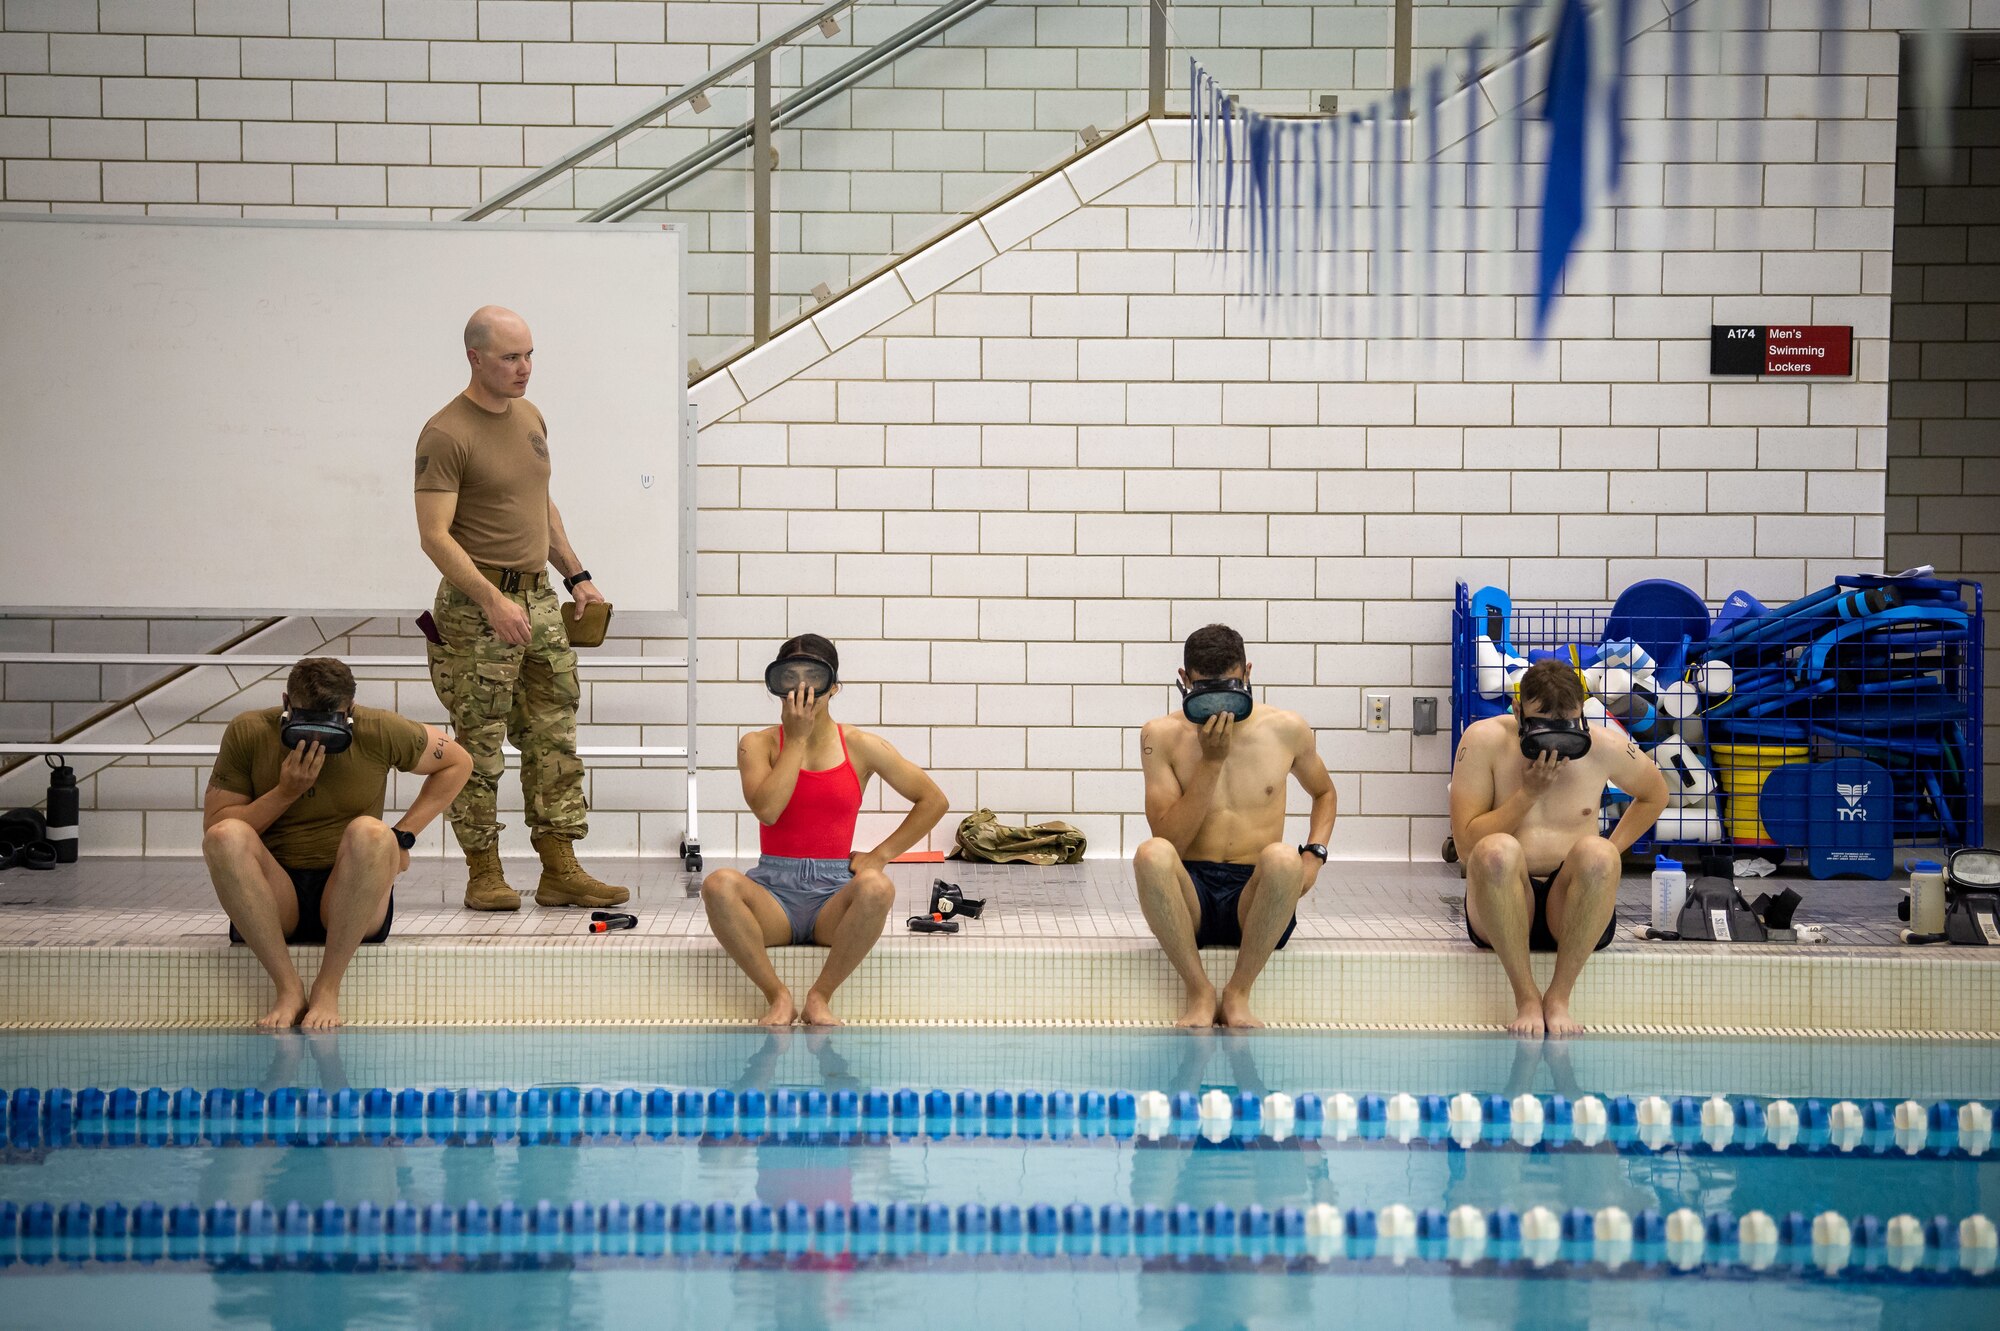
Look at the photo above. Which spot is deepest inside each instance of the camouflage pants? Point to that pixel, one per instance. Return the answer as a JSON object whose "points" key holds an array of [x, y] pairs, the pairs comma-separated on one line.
{"points": [[494, 690]]}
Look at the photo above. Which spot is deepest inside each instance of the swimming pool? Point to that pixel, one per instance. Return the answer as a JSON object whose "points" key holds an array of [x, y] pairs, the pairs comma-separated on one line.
{"points": [[1025, 1191]]}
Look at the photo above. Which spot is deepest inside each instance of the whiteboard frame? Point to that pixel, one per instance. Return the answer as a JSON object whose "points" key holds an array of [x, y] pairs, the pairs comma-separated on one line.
{"points": [[678, 229], [690, 849]]}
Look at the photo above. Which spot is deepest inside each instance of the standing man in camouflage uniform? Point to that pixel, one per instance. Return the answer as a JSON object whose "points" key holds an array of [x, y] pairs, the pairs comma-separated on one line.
{"points": [[505, 666]]}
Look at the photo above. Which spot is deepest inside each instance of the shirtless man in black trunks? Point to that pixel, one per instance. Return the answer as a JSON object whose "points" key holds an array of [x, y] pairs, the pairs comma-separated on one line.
{"points": [[1217, 871], [1538, 877]]}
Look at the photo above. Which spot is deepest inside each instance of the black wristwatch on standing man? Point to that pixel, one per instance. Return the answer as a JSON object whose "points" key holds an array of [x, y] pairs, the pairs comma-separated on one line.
{"points": [[1314, 848]]}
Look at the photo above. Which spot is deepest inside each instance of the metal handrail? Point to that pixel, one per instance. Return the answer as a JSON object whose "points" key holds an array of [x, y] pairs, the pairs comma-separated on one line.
{"points": [[807, 98], [487, 206]]}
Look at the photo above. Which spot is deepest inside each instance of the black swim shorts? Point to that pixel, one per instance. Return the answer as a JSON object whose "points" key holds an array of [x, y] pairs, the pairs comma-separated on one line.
{"points": [[309, 885], [1217, 887], [1540, 939]]}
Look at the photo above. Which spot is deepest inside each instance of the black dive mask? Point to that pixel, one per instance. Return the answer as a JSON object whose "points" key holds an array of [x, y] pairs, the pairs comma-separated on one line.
{"points": [[1206, 697], [787, 673], [1553, 734], [332, 731]]}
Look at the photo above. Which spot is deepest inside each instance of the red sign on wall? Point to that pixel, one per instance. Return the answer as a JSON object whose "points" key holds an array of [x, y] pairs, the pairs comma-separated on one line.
{"points": [[1808, 349]]}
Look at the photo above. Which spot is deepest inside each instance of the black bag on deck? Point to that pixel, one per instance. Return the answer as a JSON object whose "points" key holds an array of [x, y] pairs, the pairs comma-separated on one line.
{"points": [[1716, 912]]}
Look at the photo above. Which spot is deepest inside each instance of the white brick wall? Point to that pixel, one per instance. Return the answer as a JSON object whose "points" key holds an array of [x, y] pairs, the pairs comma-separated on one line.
{"points": [[1943, 437], [380, 108]]}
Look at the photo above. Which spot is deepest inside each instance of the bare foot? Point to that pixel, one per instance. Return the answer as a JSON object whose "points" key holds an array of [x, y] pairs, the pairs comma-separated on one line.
{"points": [[781, 1012], [818, 1011], [1235, 1011], [1527, 1023], [1200, 1011], [284, 1013], [1560, 1023], [323, 1015]]}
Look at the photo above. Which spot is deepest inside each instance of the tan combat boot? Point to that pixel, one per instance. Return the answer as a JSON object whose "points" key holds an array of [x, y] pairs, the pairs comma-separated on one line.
{"points": [[486, 888], [564, 883]]}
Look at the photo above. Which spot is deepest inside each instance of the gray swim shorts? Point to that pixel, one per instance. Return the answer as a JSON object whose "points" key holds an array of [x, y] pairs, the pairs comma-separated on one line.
{"points": [[801, 887]]}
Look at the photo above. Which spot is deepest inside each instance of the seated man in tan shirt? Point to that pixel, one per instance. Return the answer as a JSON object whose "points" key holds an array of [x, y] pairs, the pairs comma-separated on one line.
{"points": [[294, 837]]}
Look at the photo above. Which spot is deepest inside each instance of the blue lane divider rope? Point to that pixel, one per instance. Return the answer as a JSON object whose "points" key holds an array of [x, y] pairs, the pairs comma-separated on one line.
{"points": [[336, 1236], [311, 1116]]}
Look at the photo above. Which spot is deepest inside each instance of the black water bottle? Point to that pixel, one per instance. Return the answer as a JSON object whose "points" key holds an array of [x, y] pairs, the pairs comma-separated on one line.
{"points": [[62, 810]]}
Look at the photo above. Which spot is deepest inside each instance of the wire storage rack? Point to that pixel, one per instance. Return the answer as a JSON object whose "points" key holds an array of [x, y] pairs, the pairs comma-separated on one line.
{"points": [[1843, 726]]}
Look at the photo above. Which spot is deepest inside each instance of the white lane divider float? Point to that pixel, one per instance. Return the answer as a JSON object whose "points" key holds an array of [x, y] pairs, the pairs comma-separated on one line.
{"points": [[1465, 1231], [1402, 1116], [1656, 1122], [1781, 1124], [1344, 1114], [1588, 1120], [1467, 1119], [1280, 1114], [1541, 1235], [1396, 1233], [1756, 1240], [1845, 1126], [1525, 1120], [1832, 1241], [1686, 1239]]}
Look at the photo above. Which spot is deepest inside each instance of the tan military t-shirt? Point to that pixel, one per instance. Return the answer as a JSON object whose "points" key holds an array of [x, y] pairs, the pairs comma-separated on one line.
{"points": [[352, 784], [498, 465]]}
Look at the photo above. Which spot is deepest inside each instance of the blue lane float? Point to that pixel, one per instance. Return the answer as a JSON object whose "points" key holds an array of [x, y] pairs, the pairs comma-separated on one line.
{"points": [[288, 1116], [1866, 1247]]}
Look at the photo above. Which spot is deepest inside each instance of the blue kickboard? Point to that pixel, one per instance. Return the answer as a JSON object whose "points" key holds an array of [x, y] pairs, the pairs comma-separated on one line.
{"points": [[1657, 613], [1840, 812]]}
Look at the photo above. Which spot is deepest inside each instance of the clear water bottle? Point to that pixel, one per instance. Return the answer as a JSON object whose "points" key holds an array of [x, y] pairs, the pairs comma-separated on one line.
{"points": [[1926, 897], [1670, 888]]}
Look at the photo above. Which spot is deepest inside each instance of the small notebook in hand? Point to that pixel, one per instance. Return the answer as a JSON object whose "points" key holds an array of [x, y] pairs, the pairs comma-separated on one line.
{"points": [[587, 630]]}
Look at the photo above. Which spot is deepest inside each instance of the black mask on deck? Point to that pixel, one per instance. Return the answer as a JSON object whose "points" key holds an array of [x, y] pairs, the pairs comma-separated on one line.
{"points": [[1552, 734], [1206, 697], [332, 731], [789, 672]]}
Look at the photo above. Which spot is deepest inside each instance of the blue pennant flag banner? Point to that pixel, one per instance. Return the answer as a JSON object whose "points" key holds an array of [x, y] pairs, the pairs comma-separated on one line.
{"points": [[1526, 126]]}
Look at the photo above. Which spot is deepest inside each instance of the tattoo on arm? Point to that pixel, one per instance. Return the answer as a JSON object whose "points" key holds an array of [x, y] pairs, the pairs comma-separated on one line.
{"points": [[439, 751], [1632, 749]]}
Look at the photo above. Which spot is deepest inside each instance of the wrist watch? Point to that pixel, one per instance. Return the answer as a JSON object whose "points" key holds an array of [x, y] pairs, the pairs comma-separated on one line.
{"points": [[404, 839], [1314, 848], [582, 575]]}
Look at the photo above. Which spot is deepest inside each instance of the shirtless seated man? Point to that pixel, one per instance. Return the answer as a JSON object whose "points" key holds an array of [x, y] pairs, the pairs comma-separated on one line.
{"points": [[803, 779], [1538, 877], [1216, 871]]}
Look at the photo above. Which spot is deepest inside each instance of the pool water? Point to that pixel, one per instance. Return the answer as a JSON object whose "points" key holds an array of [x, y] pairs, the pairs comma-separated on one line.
{"points": [[896, 1280]]}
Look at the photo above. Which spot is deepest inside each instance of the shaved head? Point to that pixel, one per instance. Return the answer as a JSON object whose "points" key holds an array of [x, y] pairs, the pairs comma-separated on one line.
{"points": [[501, 353], [490, 320]]}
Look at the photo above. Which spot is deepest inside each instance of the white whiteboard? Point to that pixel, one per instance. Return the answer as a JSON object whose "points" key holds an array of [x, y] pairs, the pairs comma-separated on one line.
{"points": [[224, 415]]}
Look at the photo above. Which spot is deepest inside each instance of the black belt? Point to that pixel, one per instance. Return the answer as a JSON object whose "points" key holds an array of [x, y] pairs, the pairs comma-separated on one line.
{"points": [[511, 580]]}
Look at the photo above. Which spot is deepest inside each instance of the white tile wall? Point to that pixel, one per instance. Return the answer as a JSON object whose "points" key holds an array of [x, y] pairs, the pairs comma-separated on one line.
{"points": [[1022, 438]]}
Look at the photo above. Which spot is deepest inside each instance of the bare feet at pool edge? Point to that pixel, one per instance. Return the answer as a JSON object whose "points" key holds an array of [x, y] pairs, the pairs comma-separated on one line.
{"points": [[1528, 1023], [284, 1013], [1234, 1011], [323, 1014], [1558, 1021], [782, 1011], [818, 1011], [1200, 1011]]}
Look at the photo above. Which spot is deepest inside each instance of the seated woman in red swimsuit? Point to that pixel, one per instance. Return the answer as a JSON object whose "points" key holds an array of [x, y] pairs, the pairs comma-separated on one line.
{"points": [[803, 779]]}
